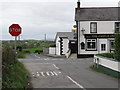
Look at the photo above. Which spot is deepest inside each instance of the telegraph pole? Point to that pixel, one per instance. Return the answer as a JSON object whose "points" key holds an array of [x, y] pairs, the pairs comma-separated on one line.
{"points": [[45, 37]]}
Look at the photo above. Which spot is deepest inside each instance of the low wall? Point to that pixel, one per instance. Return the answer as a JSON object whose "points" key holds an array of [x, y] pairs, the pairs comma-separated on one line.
{"points": [[108, 65], [52, 50], [67, 54], [46, 50]]}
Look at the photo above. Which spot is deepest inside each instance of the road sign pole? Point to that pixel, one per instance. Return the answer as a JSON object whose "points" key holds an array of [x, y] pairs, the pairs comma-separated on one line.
{"points": [[15, 44]]}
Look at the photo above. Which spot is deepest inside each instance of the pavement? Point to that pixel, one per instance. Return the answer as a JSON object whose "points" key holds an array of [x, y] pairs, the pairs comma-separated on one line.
{"points": [[49, 72]]}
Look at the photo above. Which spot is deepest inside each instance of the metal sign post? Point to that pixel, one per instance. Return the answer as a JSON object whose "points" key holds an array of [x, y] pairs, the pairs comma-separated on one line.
{"points": [[15, 30], [15, 44]]}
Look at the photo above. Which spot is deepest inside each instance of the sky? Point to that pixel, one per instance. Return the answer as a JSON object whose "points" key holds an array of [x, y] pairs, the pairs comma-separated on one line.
{"points": [[40, 17]]}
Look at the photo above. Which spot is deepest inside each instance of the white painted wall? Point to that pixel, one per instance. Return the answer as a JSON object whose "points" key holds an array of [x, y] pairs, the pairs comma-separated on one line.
{"points": [[65, 45], [57, 46], [103, 41], [107, 63], [52, 50], [103, 27]]}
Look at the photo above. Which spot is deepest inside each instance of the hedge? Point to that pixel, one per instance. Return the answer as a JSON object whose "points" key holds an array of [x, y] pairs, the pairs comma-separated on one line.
{"points": [[117, 47]]}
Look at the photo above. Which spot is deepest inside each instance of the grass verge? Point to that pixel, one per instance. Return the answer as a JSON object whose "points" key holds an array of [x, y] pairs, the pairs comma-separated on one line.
{"points": [[15, 76]]}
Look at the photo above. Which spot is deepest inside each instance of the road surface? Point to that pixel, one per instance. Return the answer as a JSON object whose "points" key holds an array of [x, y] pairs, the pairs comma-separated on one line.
{"points": [[48, 72]]}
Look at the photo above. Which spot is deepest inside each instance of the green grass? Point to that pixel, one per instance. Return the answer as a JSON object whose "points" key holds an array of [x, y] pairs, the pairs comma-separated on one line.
{"points": [[15, 76], [94, 68], [21, 55]]}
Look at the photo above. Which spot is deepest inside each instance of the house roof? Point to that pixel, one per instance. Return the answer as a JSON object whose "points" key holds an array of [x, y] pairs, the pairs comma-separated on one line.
{"points": [[97, 14], [69, 35]]}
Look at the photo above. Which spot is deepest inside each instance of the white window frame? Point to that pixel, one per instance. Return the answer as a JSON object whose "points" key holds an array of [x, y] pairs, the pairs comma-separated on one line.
{"points": [[111, 45], [117, 28], [93, 28], [91, 40], [103, 48]]}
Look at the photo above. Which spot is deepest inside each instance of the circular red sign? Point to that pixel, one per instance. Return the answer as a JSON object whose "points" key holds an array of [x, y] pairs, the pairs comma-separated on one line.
{"points": [[15, 30]]}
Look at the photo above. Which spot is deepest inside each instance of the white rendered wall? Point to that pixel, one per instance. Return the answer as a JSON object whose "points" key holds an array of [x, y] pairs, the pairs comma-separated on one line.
{"points": [[107, 63], [103, 27], [52, 50], [57, 46], [103, 41], [65, 45]]}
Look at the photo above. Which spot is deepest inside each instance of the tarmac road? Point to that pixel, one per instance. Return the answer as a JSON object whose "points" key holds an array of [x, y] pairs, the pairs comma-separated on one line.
{"points": [[49, 72]]}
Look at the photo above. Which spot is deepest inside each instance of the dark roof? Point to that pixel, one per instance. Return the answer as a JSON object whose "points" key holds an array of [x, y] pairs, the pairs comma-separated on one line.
{"points": [[69, 35], [97, 14]]}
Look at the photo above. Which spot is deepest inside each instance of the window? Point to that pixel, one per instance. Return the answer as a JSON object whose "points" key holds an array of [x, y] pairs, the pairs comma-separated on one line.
{"points": [[93, 27], [117, 27], [112, 44], [82, 45], [91, 44], [103, 47]]}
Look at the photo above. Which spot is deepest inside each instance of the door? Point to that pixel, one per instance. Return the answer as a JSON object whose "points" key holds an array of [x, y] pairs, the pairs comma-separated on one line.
{"points": [[102, 46], [73, 47]]}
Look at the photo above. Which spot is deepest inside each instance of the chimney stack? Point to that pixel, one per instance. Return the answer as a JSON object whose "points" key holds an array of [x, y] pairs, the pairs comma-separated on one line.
{"points": [[78, 4]]}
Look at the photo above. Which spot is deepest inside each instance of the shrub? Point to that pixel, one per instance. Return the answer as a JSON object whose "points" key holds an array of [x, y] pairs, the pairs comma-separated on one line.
{"points": [[26, 51], [14, 74], [108, 55], [8, 56], [117, 47]]}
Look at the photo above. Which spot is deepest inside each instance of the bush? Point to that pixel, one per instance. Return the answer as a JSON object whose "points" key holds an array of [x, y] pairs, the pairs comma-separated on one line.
{"points": [[26, 51], [8, 56], [14, 74], [108, 55], [117, 47]]}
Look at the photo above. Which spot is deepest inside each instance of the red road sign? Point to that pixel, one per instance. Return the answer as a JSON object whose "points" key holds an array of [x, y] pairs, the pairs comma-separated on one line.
{"points": [[15, 30]]}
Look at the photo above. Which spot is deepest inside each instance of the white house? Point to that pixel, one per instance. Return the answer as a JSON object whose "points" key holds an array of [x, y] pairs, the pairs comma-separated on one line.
{"points": [[95, 29], [65, 42]]}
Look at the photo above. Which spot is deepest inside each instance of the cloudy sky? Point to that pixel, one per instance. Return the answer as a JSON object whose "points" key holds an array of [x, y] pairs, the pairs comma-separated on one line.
{"points": [[40, 17]]}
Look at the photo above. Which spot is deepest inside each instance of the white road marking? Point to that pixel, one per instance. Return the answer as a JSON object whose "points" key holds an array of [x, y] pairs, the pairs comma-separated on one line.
{"points": [[55, 73], [55, 66], [52, 73], [47, 73], [76, 83], [38, 74], [37, 56], [42, 73]]}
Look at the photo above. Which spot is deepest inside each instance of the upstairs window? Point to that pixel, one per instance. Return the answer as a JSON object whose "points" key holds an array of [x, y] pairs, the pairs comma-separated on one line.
{"points": [[117, 27], [93, 27]]}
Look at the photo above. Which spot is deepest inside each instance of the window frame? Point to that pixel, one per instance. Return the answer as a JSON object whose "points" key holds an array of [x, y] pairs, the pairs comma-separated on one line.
{"points": [[103, 48], [91, 40], [112, 48], [117, 27], [91, 27]]}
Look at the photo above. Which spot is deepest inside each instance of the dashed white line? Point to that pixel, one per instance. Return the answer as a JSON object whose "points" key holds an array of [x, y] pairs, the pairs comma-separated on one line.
{"points": [[42, 73], [47, 73], [55, 73], [76, 83], [52, 73], [55, 66]]}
